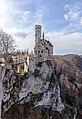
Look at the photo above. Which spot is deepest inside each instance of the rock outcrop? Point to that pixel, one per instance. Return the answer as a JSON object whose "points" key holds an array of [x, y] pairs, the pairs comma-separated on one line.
{"points": [[52, 91]]}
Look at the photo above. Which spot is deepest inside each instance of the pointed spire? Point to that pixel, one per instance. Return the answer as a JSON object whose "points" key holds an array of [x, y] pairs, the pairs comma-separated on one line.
{"points": [[43, 35]]}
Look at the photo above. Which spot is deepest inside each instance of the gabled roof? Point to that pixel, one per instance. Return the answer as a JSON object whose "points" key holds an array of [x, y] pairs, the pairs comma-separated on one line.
{"points": [[50, 44]]}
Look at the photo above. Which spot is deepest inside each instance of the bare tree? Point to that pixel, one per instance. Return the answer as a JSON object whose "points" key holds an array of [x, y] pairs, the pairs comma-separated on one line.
{"points": [[6, 44]]}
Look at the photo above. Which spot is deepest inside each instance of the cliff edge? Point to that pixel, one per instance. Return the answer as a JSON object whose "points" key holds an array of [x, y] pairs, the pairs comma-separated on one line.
{"points": [[52, 91]]}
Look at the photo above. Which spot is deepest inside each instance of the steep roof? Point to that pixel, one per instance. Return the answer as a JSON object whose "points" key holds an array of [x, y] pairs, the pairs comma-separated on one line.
{"points": [[48, 42]]}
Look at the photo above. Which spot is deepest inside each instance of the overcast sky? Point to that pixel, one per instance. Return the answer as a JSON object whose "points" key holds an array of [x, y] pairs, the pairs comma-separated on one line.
{"points": [[61, 22]]}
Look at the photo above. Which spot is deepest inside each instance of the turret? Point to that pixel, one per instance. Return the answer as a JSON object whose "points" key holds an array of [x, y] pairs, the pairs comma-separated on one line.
{"points": [[37, 33]]}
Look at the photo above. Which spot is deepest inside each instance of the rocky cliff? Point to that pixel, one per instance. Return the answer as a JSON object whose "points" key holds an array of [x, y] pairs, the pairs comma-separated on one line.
{"points": [[52, 91]]}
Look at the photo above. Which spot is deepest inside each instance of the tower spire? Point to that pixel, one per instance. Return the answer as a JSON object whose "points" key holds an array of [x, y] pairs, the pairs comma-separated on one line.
{"points": [[43, 35]]}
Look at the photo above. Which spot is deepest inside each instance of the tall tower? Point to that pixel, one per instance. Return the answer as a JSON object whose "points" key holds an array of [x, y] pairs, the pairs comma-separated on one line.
{"points": [[37, 33]]}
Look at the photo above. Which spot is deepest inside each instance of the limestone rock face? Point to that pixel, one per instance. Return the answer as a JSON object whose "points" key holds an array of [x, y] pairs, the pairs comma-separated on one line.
{"points": [[52, 91]]}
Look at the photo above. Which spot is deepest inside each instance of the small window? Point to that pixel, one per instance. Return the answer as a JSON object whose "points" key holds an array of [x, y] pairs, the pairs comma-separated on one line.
{"points": [[42, 51], [40, 55], [38, 51]]}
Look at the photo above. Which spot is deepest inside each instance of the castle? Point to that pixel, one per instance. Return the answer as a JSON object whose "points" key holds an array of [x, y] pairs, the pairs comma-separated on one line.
{"points": [[43, 49]]}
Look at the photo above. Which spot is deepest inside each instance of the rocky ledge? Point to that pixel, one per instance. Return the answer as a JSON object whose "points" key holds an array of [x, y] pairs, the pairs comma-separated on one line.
{"points": [[52, 91]]}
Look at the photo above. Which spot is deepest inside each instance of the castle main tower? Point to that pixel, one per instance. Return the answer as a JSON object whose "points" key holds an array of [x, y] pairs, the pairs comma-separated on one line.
{"points": [[37, 33]]}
